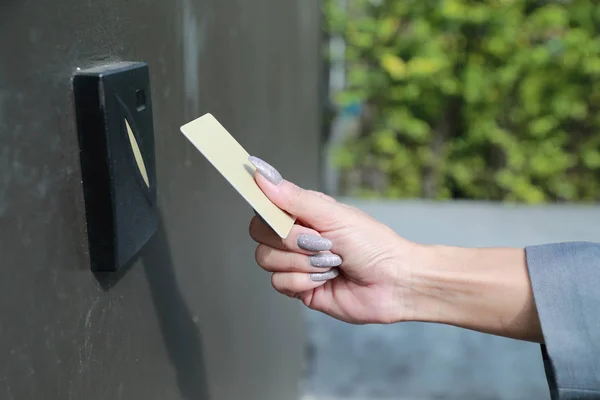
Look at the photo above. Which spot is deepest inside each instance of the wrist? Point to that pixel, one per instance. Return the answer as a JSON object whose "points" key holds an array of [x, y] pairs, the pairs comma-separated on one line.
{"points": [[486, 290]]}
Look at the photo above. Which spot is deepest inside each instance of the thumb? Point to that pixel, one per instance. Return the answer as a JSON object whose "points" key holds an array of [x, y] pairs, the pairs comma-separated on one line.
{"points": [[318, 210]]}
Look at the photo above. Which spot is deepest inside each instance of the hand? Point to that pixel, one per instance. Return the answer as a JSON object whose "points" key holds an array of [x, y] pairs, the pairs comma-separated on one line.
{"points": [[374, 280], [344, 263]]}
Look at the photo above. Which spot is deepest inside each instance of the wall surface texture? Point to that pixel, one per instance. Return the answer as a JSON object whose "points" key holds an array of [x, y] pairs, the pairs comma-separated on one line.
{"points": [[193, 317]]}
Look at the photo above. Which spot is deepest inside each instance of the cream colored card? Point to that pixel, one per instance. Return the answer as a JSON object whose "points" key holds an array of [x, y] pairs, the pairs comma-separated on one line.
{"points": [[231, 160]]}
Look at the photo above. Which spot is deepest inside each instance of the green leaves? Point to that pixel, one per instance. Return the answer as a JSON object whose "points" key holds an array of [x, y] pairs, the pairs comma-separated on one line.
{"points": [[393, 65], [494, 99]]}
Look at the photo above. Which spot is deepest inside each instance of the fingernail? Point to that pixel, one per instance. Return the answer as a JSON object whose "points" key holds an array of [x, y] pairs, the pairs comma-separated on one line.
{"points": [[259, 217], [313, 242], [325, 260], [266, 170], [324, 276]]}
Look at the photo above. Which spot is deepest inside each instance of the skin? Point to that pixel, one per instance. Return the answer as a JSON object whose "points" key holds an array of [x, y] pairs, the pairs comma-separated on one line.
{"points": [[385, 278]]}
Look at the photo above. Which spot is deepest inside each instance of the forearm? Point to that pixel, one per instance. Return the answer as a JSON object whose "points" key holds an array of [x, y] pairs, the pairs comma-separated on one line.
{"points": [[486, 290]]}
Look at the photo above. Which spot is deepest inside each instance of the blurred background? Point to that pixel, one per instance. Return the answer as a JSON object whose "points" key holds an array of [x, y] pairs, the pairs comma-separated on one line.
{"points": [[471, 123], [459, 122], [455, 99]]}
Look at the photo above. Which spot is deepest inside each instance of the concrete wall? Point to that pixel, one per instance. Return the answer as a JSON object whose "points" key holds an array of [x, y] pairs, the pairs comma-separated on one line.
{"points": [[193, 318], [416, 361]]}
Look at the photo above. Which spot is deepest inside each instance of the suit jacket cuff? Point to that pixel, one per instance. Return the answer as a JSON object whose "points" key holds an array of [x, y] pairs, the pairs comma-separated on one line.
{"points": [[565, 278]]}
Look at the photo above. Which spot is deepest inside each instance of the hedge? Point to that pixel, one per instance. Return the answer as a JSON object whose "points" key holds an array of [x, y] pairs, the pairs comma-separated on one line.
{"points": [[491, 100]]}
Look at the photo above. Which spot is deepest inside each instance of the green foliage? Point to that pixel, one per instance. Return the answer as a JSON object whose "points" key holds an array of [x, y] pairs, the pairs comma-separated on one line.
{"points": [[494, 99]]}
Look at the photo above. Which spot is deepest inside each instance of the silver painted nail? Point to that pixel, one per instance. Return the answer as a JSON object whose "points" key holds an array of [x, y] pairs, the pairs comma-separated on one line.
{"points": [[325, 260], [266, 170], [324, 276], [313, 242]]}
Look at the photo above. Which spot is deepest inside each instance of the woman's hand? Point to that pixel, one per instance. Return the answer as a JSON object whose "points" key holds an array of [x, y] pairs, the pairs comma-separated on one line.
{"points": [[342, 262], [336, 258]]}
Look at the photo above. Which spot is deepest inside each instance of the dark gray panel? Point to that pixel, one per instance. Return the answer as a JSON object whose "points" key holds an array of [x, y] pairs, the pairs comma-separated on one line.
{"points": [[194, 317]]}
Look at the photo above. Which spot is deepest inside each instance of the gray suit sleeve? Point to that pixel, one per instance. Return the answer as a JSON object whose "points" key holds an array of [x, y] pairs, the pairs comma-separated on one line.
{"points": [[566, 287]]}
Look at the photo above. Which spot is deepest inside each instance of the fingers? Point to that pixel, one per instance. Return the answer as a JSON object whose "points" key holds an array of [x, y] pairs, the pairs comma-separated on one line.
{"points": [[275, 260], [294, 283], [313, 208], [301, 262], [323, 196], [318, 210], [300, 239]]}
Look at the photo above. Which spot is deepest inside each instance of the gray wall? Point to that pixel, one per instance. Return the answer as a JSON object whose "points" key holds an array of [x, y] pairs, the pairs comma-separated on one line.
{"points": [[416, 361], [193, 318]]}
